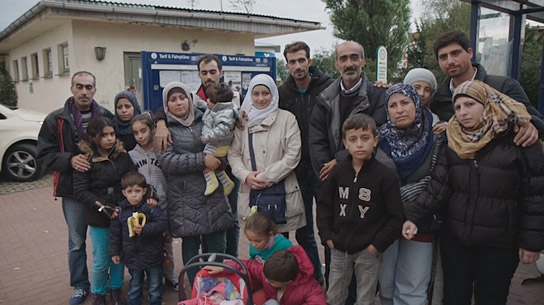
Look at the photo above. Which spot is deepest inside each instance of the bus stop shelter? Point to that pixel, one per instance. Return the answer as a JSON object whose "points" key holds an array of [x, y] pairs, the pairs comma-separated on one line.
{"points": [[497, 31]]}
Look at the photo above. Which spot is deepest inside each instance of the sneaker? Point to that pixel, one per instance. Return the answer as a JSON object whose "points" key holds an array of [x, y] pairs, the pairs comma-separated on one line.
{"points": [[99, 299], [78, 296], [172, 284], [117, 297]]}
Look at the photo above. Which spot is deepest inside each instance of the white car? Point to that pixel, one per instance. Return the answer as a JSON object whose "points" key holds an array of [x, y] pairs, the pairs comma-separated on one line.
{"points": [[19, 131]]}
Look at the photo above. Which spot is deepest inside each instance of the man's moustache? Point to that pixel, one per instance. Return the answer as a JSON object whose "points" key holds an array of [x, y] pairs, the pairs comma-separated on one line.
{"points": [[352, 68]]}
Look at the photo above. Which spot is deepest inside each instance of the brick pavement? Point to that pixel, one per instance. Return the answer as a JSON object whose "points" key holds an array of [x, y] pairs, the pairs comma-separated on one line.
{"points": [[33, 250]]}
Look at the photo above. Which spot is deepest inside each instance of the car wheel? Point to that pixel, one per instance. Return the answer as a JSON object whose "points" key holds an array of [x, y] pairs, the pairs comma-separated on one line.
{"points": [[21, 164]]}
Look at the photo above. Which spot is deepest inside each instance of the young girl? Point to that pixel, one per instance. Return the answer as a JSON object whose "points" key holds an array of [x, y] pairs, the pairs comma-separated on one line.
{"points": [[148, 165], [99, 188], [263, 237], [126, 108]]}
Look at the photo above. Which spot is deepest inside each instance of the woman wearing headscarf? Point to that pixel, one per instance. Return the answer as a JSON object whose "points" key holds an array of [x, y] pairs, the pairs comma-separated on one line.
{"points": [[126, 107], [191, 215], [411, 149], [276, 144], [491, 193]]}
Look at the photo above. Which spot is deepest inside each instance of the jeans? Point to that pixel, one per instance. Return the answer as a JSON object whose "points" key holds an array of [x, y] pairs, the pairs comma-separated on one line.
{"points": [[352, 293], [215, 243], [406, 272], [488, 269], [74, 212], [136, 286], [233, 235], [309, 187], [365, 265], [102, 263]]}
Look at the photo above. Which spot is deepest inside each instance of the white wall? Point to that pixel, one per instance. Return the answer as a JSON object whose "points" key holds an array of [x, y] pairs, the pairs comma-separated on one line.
{"points": [[83, 36]]}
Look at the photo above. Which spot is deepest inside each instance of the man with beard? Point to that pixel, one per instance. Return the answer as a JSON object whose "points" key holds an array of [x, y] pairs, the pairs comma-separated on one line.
{"points": [[210, 72], [298, 96], [454, 54], [351, 93]]}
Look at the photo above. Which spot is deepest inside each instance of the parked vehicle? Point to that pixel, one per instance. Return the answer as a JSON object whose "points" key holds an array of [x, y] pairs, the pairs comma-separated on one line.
{"points": [[19, 131]]}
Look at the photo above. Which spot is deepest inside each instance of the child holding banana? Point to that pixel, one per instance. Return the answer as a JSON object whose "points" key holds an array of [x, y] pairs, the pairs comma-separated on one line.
{"points": [[137, 233]]}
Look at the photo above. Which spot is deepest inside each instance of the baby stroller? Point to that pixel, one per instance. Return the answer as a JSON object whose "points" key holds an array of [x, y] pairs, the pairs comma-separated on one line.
{"points": [[234, 286]]}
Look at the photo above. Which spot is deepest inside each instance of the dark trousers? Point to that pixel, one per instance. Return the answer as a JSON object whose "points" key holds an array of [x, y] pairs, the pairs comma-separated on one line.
{"points": [[309, 187], [233, 235], [485, 270]]}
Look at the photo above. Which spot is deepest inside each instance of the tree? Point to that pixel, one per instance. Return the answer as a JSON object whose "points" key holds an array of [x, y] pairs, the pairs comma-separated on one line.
{"points": [[8, 95], [246, 5], [324, 61], [373, 23], [281, 70], [531, 58]]}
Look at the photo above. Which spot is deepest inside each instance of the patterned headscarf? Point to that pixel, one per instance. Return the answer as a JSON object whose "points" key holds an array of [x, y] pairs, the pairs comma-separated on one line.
{"points": [[122, 127], [254, 115], [410, 146], [499, 112], [178, 87]]}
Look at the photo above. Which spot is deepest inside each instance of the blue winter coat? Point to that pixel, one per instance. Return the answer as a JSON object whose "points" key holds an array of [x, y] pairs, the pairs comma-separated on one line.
{"points": [[141, 251]]}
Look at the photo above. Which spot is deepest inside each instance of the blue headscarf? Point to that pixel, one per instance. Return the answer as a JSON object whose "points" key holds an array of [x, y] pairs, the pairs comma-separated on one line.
{"points": [[408, 147], [122, 127]]}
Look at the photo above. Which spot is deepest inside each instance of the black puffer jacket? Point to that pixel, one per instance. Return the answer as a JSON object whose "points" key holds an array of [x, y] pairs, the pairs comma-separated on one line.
{"points": [[57, 144], [141, 251], [302, 105], [190, 213], [495, 200], [101, 182], [443, 107]]}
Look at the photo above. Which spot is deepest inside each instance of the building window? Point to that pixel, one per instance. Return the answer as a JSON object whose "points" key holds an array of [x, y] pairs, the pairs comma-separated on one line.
{"points": [[47, 62], [25, 68], [15, 70], [35, 65], [64, 62]]}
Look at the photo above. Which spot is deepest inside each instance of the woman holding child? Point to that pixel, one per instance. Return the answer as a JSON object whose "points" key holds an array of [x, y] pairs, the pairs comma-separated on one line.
{"points": [[191, 215], [276, 143], [491, 193], [407, 139]]}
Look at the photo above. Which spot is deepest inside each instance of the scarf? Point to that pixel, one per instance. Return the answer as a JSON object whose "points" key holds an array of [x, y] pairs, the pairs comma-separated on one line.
{"points": [[256, 116], [408, 147], [499, 112], [123, 127], [179, 87], [78, 119]]}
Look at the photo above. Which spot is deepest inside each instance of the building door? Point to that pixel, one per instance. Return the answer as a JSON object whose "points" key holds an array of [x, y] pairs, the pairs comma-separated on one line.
{"points": [[133, 75]]}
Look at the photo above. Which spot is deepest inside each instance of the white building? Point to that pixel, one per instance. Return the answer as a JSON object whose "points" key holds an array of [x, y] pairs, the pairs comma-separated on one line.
{"points": [[56, 38]]}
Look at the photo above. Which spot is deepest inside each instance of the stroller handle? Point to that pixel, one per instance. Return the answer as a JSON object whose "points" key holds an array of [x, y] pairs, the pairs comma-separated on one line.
{"points": [[209, 259]]}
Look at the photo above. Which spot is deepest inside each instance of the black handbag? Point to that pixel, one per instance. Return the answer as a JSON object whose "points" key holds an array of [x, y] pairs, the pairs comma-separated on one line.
{"points": [[271, 200]]}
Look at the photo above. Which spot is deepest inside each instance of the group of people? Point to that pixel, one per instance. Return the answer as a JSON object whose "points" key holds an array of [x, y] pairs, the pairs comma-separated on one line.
{"points": [[396, 172]]}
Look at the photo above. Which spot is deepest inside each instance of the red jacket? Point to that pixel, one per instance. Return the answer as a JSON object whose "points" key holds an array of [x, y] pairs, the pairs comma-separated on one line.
{"points": [[304, 290]]}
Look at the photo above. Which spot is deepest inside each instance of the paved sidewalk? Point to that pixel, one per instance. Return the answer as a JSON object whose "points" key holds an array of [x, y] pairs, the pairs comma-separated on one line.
{"points": [[33, 251]]}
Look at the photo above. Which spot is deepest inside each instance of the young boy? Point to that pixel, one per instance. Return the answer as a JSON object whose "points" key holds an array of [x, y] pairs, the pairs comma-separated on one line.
{"points": [[218, 132], [143, 252], [359, 213], [286, 277]]}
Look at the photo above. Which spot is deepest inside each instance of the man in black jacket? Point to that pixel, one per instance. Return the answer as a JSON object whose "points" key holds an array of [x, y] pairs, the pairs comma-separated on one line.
{"points": [[58, 149], [454, 54], [297, 95]]}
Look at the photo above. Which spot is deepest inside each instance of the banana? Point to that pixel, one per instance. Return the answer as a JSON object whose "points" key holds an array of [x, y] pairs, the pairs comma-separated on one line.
{"points": [[136, 218]]}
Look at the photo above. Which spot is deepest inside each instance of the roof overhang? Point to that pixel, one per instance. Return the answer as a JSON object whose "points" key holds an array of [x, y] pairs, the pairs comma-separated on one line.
{"points": [[48, 14], [532, 9]]}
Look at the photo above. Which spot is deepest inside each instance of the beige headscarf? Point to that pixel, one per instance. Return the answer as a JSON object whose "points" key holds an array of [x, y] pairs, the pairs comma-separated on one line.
{"points": [[499, 111], [179, 87]]}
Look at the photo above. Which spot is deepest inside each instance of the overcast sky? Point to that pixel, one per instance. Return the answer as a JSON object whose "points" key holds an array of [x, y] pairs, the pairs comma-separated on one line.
{"points": [[311, 10]]}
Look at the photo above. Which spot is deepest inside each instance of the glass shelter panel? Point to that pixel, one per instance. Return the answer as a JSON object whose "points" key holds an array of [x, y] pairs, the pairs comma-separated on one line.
{"points": [[494, 45]]}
